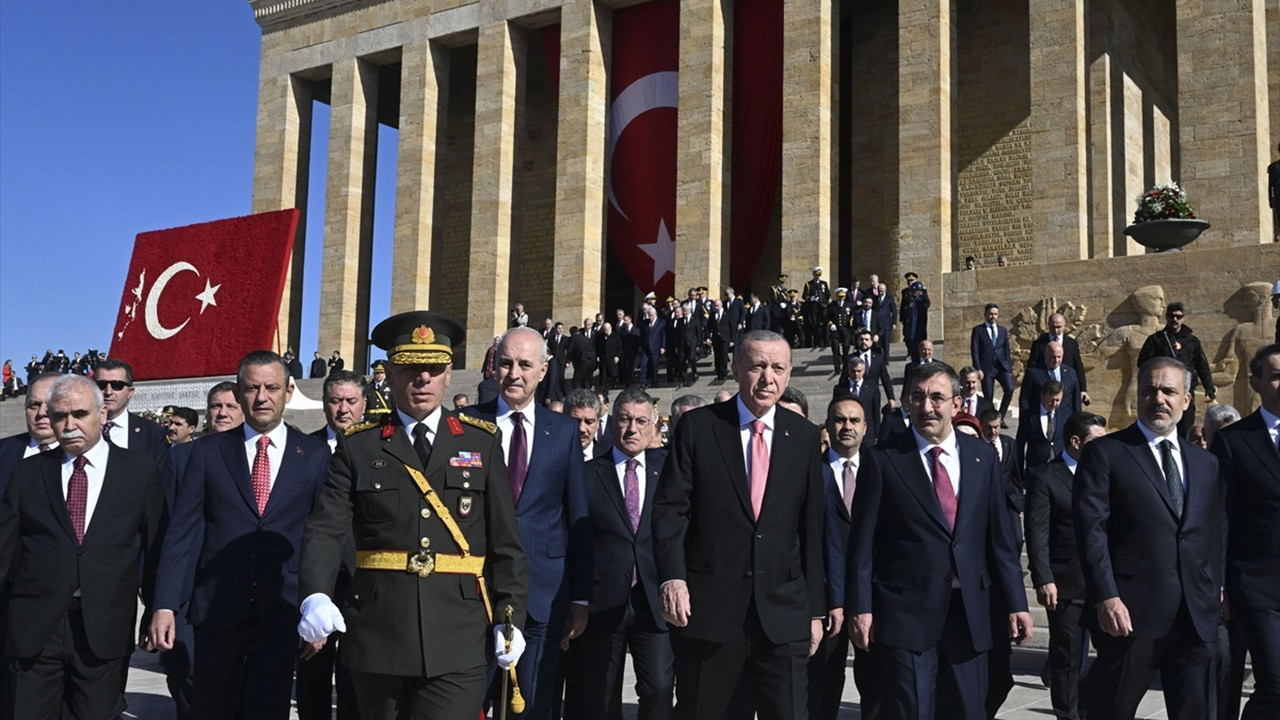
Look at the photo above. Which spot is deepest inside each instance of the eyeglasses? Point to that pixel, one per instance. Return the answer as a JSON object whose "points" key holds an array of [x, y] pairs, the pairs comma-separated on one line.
{"points": [[117, 385], [640, 422], [936, 399]]}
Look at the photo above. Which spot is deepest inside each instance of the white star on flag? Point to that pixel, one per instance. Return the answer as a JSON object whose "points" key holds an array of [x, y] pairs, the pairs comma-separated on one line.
{"points": [[207, 298], [663, 252]]}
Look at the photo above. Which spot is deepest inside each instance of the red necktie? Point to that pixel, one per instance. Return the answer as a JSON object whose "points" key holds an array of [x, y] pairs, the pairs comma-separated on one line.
{"points": [[78, 497], [942, 487], [759, 453], [519, 462], [261, 474]]}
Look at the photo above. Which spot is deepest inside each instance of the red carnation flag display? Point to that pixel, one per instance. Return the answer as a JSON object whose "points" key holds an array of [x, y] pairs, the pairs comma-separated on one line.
{"points": [[197, 298], [642, 142]]}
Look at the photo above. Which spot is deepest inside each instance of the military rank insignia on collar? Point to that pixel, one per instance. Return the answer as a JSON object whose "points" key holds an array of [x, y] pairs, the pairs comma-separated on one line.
{"points": [[388, 431], [454, 426], [467, 460]]}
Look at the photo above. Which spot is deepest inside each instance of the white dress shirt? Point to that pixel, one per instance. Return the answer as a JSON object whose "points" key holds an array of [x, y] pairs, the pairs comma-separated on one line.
{"points": [[506, 425], [620, 467], [431, 421], [950, 458], [837, 468], [1153, 442], [275, 448], [95, 468], [331, 437], [120, 433]]}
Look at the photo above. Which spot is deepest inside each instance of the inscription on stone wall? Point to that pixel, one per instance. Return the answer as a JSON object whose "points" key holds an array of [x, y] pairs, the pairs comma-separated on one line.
{"points": [[993, 201]]}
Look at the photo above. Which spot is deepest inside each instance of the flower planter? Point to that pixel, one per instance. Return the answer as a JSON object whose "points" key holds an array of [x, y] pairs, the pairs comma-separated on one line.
{"points": [[1166, 235]]}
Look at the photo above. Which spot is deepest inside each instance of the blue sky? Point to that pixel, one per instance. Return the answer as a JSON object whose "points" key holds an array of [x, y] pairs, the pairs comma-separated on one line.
{"points": [[119, 118]]}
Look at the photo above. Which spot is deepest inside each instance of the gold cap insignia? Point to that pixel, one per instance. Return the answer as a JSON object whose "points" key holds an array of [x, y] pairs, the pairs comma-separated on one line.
{"points": [[423, 335]]}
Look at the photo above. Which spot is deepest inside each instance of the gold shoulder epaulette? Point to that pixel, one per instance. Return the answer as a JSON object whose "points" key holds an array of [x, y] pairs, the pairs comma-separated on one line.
{"points": [[484, 425], [360, 427]]}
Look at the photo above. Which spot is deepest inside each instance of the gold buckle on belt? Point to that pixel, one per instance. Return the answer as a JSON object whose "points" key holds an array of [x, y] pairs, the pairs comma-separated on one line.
{"points": [[421, 563]]}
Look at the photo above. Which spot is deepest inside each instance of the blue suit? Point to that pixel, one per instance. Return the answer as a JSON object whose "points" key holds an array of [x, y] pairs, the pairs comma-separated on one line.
{"points": [[555, 528], [244, 601], [994, 360], [652, 341]]}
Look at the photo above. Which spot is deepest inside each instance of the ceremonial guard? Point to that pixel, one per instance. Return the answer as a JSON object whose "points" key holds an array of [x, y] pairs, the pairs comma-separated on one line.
{"points": [[778, 298], [793, 322], [378, 401], [839, 329], [439, 559], [816, 295]]}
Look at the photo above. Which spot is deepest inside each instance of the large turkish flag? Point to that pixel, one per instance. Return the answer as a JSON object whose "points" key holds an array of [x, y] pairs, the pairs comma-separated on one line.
{"points": [[197, 298]]}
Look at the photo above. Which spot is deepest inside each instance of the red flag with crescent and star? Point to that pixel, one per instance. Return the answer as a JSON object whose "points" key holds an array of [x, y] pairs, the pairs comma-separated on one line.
{"points": [[197, 298], [642, 142]]}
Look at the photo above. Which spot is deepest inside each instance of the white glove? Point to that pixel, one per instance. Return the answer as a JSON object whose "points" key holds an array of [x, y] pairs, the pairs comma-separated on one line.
{"points": [[507, 659], [320, 618]]}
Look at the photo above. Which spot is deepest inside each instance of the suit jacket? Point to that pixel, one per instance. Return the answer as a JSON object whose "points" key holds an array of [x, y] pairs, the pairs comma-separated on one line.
{"points": [[888, 310], [1070, 356], [1032, 447], [726, 328], [757, 320], [319, 368], [836, 528], [878, 371], [891, 423], [984, 403], [398, 623], [553, 514], [616, 548], [240, 558], [1251, 471], [1036, 378], [1050, 531], [582, 350], [736, 311], [1132, 546], [902, 557], [148, 438], [653, 339], [876, 325], [990, 357], [705, 533], [1011, 473], [12, 449], [43, 564]]}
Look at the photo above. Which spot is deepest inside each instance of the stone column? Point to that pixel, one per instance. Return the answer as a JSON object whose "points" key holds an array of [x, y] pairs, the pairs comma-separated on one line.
{"points": [[1103, 202], [1223, 117], [424, 88], [348, 224], [1059, 218], [282, 159], [585, 29], [925, 72], [500, 54], [702, 202], [807, 109]]}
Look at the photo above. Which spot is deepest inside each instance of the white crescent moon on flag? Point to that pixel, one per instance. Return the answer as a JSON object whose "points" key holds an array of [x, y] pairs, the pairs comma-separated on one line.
{"points": [[653, 91], [158, 331]]}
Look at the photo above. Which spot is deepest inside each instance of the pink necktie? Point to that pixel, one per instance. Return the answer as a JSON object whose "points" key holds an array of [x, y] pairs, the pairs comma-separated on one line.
{"points": [[759, 470], [78, 496], [942, 487], [261, 474], [632, 497]]}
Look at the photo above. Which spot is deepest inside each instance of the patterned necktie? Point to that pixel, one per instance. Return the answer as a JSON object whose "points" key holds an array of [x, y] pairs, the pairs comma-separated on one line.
{"points": [[942, 488], [850, 484], [1172, 477], [631, 481], [261, 474], [106, 430], [759, 470], [43, 447], [519, 463], [421, 445], [78, 497]]}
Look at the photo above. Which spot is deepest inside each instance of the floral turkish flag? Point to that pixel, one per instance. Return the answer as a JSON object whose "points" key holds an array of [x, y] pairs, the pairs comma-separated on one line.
{"points": [[642, 142], [197, 298]]}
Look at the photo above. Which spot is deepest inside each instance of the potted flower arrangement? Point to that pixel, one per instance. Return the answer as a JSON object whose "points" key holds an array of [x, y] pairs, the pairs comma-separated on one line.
{"points": [[1164, 219]]}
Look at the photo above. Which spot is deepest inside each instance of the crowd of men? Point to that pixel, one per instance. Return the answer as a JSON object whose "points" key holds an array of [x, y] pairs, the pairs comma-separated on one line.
{"points": [[505, 556]]}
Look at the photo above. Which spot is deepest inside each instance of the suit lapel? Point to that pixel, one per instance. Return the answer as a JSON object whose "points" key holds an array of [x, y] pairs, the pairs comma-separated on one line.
{"points": [[233, 454], [111, 487], [1137, 444], [906, 461], [541, 439], [57, 500], [730, 441], [290, 471], [971, 468], [784, 448], [1258, 439], [652, 470]]}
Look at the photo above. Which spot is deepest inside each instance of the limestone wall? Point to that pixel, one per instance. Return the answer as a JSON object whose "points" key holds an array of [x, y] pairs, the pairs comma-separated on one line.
{"points": [[1113, 305]]}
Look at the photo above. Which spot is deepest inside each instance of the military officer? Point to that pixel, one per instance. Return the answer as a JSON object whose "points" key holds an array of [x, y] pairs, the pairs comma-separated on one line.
{"points": [[425, 494], [378, 400], [778, 297], [840, 329], [816, 296]]}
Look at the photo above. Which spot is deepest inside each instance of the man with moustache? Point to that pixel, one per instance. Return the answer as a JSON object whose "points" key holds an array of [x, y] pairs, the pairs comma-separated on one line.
{"points": [[181, 423], [625, 607], [548, 485], [236, 524], [438, 558], [1057, 332], [126, 430], [76, 525], [1247, 452], [1149, 513], [925, 570], [344, 397], [738, 543], [970, 401], [848, 429], [1176, 340]]}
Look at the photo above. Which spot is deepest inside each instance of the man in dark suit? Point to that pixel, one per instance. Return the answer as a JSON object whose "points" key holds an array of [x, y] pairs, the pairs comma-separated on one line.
{"points": [[924, 350], [914, 313], [930, 551], [816, 297], [238, 516], [629, 336], [970, 401], [1250, 465], [608, 355], [892, 421], [877, 364], [866, 318], [126, 430], [989, 350], [677, 332], [585, 408], [626, 612], [1149, 511], [1176, 340], [582, 354], [549, 486], [653, 342], [734, 308], [857, 385], [1070, 351], [319, 368], [1010, 472], [557, 358], [1039, 437], [1054, 370], [75, 525], [755, 316], [1054, 558], [39, 436], [724, 330], [848, 429], [738, 540], [887, 308], [344, 398], [438, 557]]}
